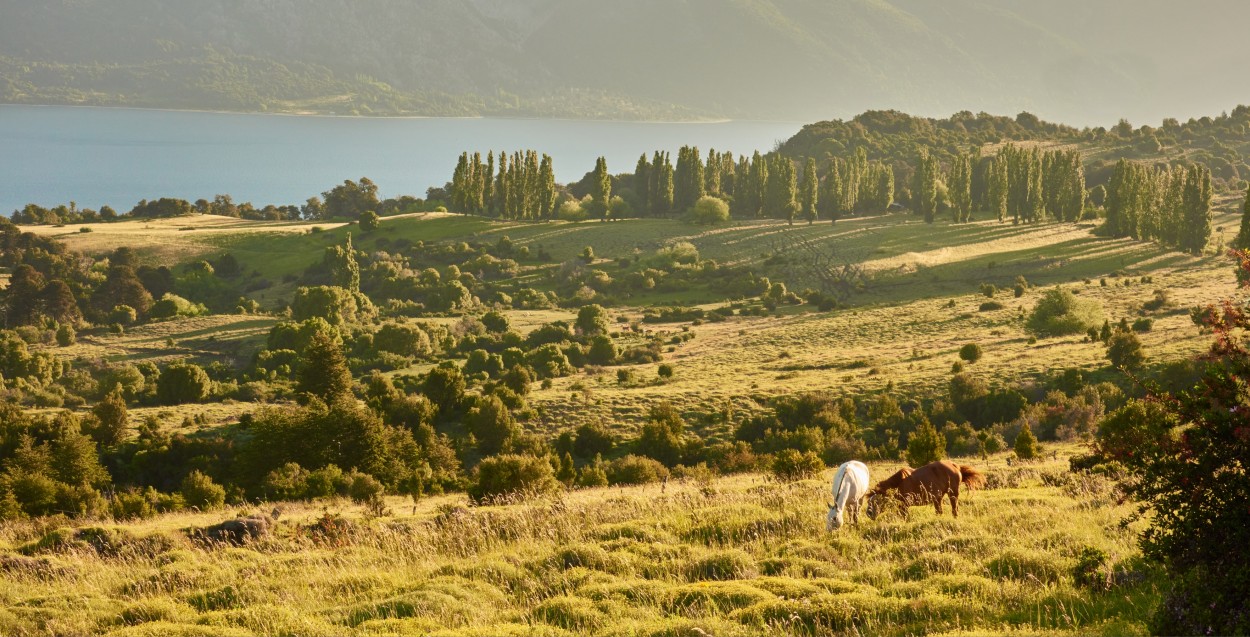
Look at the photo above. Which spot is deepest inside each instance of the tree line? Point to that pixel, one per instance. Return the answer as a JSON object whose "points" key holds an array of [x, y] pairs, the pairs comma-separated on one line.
{"points": [[1169, 205]]}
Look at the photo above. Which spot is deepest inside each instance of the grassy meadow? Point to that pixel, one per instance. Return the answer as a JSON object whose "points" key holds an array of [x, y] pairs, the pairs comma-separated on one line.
{"points": [[741, 555], [737, 555]]}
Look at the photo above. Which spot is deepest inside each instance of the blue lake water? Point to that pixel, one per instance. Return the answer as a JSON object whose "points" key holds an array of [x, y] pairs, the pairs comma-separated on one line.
{"points": [[95, 156]]}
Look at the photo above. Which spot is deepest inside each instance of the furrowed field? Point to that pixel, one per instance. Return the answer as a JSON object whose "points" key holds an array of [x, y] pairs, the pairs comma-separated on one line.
{"points": [[732, 556]]}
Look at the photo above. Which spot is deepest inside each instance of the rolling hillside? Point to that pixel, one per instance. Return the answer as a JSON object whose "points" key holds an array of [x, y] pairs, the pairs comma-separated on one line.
{"points": [[771, 59]]}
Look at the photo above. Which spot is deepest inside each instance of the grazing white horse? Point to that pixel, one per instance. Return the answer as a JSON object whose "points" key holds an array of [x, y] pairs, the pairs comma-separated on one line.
{"points": [[850, 485]]}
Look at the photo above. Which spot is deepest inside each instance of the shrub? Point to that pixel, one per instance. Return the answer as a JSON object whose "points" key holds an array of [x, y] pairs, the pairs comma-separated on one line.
{"points": [[1060, 313], [665, 370], [790, 465], [710, 210], [592, 439], [633, 469], [367, 491], [989, 290], [571, 210], [990, 306], [199, 490], [970, 352], [925, 445], [123, 315], [65, 335], [1124, 350], [1026, 446], [183, 383], [512, 474], [172, 305]]}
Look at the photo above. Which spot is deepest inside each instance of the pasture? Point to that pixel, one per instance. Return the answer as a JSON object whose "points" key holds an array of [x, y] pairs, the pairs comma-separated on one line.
{"points": [[740, 555]]}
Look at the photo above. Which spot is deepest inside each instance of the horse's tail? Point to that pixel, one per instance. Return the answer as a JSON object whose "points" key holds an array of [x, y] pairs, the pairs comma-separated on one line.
{"points": [[971, 477]]}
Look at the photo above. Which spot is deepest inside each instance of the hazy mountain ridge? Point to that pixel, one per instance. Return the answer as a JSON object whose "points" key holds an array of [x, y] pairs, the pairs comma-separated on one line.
{"points": [[772, 59]]}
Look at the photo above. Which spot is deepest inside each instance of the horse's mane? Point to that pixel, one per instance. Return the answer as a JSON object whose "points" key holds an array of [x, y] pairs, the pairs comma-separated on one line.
{"points": [[892, 482]]}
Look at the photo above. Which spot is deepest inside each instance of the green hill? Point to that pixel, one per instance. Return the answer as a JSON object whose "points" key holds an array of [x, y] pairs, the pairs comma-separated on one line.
{"points": [[775, 59]]}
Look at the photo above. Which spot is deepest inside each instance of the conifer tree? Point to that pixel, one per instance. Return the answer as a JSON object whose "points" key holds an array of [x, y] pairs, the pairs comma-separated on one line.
{"points": [[1242, 241], [111, 417], [323, 371]]}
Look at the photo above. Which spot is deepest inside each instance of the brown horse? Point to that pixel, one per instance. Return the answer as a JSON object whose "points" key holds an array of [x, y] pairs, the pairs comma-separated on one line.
{"points": [[925, 485]]}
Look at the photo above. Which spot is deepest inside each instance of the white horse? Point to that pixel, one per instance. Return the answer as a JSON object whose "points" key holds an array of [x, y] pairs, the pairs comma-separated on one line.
{"points": [[850, 485]]}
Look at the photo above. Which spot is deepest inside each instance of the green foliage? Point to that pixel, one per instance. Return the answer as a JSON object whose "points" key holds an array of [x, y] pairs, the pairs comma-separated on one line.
{"points": [[925, 445], [323, 371], [511, 474], [632, 469], [199, 490], [369, 221], [790, 465], [172, 305], [709, 210], [1124, 350], [183, 383], [492, 424], [970, 352], [1026, 446], [112, 421], [1059, 313]]}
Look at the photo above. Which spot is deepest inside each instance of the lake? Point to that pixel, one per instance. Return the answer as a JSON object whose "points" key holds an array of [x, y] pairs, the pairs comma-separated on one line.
{"points": [[96, 156]]}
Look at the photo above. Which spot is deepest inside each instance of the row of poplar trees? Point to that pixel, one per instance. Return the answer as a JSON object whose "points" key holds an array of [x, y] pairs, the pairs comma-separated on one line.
{"points": [[1169, 205], [523, 187], [1026, 184]]}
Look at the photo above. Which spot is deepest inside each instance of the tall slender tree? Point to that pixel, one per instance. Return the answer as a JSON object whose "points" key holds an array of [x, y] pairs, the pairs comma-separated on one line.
{"points": [[1242, 241], [809, 193]]}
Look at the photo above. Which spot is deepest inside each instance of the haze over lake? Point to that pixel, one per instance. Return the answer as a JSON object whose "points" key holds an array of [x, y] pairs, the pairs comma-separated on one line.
{"points": [[98, 156]]}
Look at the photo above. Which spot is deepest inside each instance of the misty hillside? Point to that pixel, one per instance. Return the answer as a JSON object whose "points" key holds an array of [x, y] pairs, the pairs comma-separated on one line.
{"points": [[1067, 60]]}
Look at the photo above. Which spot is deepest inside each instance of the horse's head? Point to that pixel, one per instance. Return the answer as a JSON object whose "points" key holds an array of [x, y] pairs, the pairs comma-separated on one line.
{"points": [[833, 520], [873, 505]]}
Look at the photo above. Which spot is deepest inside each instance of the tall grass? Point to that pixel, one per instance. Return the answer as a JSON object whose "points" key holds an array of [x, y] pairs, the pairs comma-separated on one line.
{"points": [[745, 556]]}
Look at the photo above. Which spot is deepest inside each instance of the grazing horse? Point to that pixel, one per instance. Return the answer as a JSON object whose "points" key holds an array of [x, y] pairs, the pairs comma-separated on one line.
{"points": [[850, 484], [928, 484]]}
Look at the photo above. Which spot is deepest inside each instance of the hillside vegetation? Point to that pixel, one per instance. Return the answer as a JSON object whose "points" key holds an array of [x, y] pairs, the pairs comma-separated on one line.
{"points": [[653, 59]]}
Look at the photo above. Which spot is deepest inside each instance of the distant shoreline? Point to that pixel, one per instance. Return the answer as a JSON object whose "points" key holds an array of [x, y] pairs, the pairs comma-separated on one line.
{"points": [[311, 114]]}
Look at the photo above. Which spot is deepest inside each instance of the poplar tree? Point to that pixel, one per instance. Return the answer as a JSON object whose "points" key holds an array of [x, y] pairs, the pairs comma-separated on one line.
{"points": [[601, 187], [1197, 204], [642, 185], [811, 184], [924, 188], [996, 187], [546, 188], [711, 174], [662, 192], [781, 189], [959, 187]]}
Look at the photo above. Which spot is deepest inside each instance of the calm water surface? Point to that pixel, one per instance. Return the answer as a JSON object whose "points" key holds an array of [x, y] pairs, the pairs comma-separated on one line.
{"points": [[95, 156]]}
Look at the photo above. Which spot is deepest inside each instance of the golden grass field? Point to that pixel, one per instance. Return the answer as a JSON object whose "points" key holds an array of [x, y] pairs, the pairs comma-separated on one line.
{"points": [[742, 555]]}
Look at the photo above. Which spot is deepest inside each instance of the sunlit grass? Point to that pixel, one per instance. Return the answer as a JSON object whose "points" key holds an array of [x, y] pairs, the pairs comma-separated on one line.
{"points": [[743, 556]]}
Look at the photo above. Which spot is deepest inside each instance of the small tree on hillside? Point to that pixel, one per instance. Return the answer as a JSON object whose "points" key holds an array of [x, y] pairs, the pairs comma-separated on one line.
{"points": [[925, 445], [1124, 350], [1026, 446], [111, 417], [323, 370], [183, 383], [970, 352]]}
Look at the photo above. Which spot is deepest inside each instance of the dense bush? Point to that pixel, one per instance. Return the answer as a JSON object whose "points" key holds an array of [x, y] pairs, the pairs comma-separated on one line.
{"points": [[925, 445], [790, 465], [710, 210], [1060, 313], [510, 474], [633, 469], [199, 490], [183, 383]]}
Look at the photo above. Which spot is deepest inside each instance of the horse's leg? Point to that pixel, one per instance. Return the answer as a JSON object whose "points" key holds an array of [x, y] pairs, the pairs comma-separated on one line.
{"points": [[937, 504], [955, 500]]}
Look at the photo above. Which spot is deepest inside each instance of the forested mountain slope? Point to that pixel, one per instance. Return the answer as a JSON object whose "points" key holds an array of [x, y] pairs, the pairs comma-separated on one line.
{"points": [[782, 59]]}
